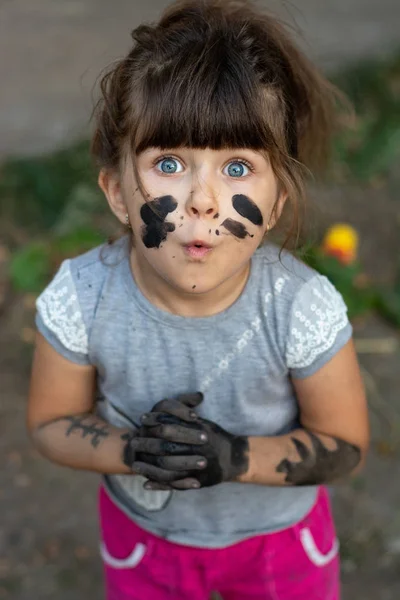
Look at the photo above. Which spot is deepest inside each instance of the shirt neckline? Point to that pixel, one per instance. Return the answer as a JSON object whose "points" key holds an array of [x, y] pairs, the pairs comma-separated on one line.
{"points": [[240, 305]]}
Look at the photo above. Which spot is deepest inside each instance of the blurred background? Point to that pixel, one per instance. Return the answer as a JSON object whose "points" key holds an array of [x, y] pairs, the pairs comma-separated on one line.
{"points": [[51, 53]]}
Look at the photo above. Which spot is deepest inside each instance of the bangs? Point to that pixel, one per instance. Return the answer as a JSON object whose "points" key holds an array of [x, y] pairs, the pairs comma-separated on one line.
{"points": [[209, 98]]}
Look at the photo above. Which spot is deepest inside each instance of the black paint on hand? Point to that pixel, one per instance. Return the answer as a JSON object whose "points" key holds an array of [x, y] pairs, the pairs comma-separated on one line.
{"points": [[319, 464], [247, 209], [154, 213], [129, 453], [226, 455]]}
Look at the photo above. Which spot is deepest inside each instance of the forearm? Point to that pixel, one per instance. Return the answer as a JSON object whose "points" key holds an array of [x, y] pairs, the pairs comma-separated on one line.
{"points": [[300, 458], [84, 442]]}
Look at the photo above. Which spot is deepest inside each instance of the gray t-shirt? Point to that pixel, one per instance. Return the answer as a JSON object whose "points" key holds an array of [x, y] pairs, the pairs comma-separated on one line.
{"points": [[289, 321]]}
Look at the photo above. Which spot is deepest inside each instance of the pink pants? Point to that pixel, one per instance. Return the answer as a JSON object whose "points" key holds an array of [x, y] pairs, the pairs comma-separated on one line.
{"points": [[298, 563]]}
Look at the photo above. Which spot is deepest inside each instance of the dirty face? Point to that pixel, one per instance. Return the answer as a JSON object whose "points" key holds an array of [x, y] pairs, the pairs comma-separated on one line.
{"points": [[205, 215]]}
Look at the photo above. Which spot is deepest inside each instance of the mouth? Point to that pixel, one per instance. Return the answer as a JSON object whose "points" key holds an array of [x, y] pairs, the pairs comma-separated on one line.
{"points": [[197, 248]]}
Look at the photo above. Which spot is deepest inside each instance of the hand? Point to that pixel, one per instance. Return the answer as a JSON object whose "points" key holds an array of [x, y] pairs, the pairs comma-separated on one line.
{"points": [[174, 444], [180, 411]]}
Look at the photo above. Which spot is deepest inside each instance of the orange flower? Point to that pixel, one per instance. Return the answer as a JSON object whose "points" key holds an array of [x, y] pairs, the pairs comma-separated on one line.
{"points": [[341, 241]]}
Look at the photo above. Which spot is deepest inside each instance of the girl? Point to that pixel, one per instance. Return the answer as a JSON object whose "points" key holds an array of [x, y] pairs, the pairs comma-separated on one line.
{"points": [[208, 375]]}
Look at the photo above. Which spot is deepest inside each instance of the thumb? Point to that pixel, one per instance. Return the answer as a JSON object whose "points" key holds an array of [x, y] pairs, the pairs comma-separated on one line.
{"points": [[191, 400]]}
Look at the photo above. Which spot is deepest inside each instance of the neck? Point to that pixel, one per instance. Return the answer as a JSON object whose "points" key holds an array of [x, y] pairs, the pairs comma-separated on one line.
{"points": [[173, 300]]}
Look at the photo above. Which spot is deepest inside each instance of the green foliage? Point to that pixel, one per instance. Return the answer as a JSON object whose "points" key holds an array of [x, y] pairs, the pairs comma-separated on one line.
{"points": [[30, 267], [372, 148], [388, 304], [388, 301], [359, 296], [55, 200], [33, 265], [34, 191]]}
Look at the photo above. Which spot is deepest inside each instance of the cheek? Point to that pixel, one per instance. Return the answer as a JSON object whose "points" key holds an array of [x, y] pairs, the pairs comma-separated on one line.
{"points": [[248, 219], [236, 228], [247, 209], [155, 226]]}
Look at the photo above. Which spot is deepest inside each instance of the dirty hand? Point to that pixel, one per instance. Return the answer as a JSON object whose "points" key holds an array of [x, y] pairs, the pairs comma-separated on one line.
{"points": [[177, 449], [177, 411]]}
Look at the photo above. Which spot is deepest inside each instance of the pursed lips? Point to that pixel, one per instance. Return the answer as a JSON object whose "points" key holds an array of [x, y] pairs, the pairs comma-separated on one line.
{"points": [[197, 249]]}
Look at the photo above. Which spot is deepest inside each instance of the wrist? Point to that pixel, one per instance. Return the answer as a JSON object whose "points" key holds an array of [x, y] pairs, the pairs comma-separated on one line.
{"points": [[128, 453], [251, 474], [240, 458]]}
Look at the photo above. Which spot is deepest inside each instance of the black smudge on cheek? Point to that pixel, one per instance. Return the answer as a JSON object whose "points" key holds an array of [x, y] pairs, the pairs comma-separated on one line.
{"points": [[247, 209], [153, 214], [235, 228]]}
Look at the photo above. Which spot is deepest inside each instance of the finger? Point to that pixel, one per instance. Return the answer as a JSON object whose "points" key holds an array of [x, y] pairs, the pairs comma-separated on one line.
{"points": [[155, 473], [182, 434], [181, 484], [153, 485], [189, 483], [160, 447], [155, 418], [176, 409], [175, 463], [191, 400]]}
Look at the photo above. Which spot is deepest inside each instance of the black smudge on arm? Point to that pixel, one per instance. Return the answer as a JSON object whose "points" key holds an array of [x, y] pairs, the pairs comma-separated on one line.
{"points": [[153, 214], [318, 464], [247, 209], [235, 228]]}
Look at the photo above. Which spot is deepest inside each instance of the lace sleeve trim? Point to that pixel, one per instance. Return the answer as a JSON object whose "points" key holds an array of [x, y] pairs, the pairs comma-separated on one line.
{"points": [[319, 313], [61, 313]]}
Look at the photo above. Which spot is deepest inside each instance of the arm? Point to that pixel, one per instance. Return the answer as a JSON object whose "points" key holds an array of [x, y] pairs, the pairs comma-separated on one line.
{"points": [[332, 443], [335, 435], [60, 415]]}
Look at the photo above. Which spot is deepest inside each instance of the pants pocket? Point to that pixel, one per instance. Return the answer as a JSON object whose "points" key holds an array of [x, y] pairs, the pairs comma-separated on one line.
{"points": [[315, 555], [129, 562], [317, 533]]}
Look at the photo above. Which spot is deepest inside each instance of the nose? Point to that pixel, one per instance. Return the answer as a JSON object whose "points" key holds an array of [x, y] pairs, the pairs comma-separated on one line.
{"points": [[202, 203]]}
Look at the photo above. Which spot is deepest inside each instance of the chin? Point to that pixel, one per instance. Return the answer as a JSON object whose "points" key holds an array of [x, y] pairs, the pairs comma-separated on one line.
{"points": [[196, 287]]}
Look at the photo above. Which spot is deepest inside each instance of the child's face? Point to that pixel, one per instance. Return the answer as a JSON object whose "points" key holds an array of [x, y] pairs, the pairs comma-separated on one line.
{"points": [[211, 211]]}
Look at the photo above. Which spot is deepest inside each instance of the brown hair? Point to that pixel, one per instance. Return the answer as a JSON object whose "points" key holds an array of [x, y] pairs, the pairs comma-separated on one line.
{"points": [[218, 73]]}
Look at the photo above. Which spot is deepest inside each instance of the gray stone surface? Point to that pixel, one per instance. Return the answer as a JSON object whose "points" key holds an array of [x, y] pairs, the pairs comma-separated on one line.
{"points": [[52, 51]]}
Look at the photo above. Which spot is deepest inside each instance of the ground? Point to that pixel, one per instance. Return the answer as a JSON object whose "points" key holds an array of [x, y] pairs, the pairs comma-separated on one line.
{"points": [[48, 535]]}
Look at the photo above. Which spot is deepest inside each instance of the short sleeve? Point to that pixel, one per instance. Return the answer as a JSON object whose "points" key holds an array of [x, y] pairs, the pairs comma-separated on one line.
{"points": [[60, 319], [319, 327]]}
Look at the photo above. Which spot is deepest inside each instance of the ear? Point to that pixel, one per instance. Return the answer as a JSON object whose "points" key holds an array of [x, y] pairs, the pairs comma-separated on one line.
{"points": [[110, 183], [278, 208]]}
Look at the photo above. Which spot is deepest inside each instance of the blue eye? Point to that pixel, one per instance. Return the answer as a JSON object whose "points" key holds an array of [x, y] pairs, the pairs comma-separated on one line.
{"points": [[236, 169], [169, 166]]}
